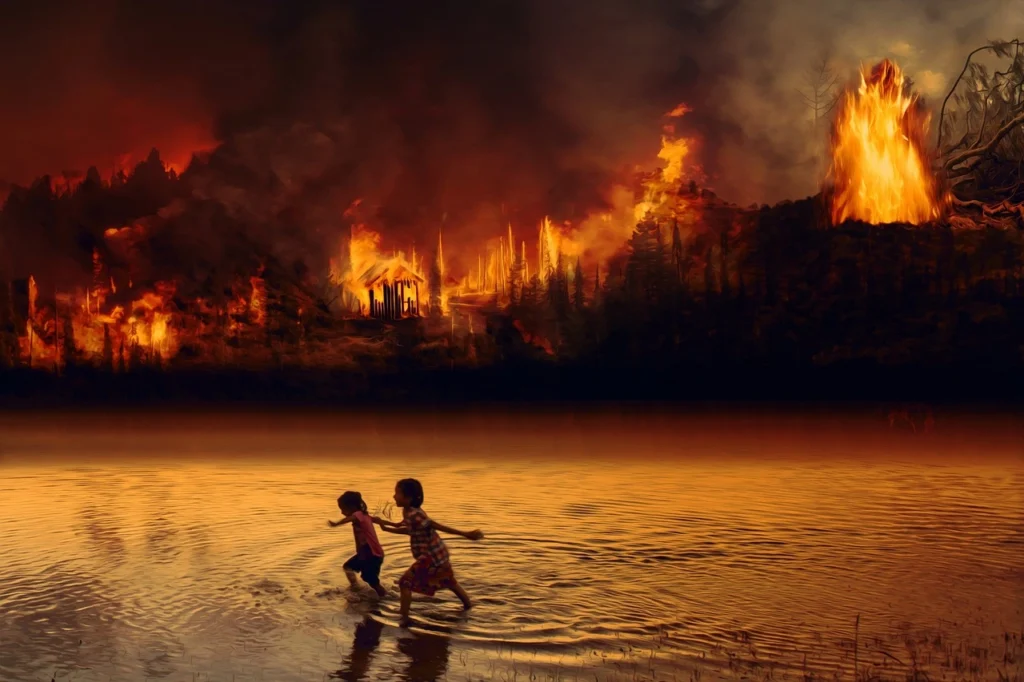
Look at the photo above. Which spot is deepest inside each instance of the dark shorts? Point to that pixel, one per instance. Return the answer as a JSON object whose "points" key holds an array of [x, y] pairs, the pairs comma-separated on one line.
{"points": [[367, 566]]}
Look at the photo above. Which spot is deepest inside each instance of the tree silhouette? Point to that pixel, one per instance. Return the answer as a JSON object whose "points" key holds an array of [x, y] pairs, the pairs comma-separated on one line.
{"points": [[577, 287], [435, 285], [820, 95]]}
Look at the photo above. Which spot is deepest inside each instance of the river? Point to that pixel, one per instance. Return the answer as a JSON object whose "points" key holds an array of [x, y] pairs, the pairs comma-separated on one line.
{"points": [[618, 546]]}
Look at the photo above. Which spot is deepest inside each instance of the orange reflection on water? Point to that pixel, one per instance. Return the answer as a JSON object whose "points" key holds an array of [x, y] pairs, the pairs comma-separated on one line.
{"points": [[674, 535]]}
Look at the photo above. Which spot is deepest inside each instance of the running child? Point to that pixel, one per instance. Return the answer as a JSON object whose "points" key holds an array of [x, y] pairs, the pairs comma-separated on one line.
{"points": [[432, 569], [369, 555]]}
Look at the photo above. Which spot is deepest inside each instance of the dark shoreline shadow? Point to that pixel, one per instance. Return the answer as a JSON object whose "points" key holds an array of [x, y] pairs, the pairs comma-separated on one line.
{"points": [[428, 655], [364, 645]]}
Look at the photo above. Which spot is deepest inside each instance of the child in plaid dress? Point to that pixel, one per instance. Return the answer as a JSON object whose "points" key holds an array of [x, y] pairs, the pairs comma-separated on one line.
{"points": [[432, 569]]}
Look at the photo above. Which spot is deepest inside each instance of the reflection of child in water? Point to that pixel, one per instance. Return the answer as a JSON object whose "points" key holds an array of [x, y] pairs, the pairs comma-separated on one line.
{"points": [[369, 554], [428, 655], [432, 569]]}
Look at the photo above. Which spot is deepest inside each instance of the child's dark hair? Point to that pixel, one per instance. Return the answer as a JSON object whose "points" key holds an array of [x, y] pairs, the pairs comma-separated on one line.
{"points": [[413, 490], [351, 500]]}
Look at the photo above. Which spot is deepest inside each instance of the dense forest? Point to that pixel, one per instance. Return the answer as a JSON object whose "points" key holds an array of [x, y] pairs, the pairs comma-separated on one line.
{"points": [[733, 304], [710, 301]]}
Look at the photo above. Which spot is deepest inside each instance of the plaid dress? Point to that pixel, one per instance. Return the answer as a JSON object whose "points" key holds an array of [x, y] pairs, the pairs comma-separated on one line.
{"points": [[432, 569]]}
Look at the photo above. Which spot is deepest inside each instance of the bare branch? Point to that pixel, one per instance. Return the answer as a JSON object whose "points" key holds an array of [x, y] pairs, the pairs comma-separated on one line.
{"points": [[960, 143], [967, 64], [984, 120], [989, 146], [833, 101], [807, 100]]}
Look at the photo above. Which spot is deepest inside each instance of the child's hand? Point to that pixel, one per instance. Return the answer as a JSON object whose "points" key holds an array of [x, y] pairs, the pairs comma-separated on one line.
{"points": [[330, 523], [475, 535]]}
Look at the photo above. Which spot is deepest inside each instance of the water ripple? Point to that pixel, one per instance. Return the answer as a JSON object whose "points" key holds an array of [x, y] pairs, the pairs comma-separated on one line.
{"points": [[173, 570]]}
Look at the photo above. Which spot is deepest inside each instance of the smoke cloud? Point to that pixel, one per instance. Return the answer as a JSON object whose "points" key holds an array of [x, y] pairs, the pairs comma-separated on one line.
{"points": [[452, 114]]}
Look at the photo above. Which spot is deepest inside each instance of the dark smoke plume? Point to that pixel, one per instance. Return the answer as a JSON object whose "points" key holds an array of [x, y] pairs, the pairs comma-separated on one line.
{"points": [[459, 113]]}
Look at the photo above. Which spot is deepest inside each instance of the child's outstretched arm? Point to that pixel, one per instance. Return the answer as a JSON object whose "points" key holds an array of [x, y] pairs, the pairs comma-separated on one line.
{"points": [[347, 519], [471, 535], [396, 529], [385, 524]]}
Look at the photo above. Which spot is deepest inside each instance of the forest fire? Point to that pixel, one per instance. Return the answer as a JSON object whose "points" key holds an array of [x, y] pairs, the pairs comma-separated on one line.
{"points": [[500, 267], [880, 161], [131, 315]]}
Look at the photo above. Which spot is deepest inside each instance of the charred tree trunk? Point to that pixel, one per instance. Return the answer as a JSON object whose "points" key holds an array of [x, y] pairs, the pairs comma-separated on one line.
{"points": [[8, 332], [108, 349], [723, 259], [69, 351], [373, 304]]}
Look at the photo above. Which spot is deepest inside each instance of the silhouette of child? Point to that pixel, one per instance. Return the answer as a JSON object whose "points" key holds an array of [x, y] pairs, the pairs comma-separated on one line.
{"points": [[432, 569], [369, 555]]}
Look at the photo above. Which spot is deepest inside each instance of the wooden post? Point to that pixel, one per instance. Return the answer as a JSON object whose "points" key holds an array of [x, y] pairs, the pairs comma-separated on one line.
{"points": [[417, 299], [373, 312]]}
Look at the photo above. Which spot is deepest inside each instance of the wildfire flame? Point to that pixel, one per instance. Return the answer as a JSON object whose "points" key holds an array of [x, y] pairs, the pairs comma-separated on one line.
{"points": [[674, 152], [117, 323], [880, 167]]}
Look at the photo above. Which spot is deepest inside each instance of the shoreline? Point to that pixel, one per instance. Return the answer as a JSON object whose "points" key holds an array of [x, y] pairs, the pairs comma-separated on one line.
{"points": [[514, 386]]}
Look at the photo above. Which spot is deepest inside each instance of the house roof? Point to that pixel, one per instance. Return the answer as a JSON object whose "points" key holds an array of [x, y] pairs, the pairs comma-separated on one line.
{"points": [[389, 270]]}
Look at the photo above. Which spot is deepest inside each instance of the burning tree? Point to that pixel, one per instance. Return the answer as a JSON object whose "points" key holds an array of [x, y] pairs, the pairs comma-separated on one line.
{"points": [[881, 164], [435, 283], [981, 136]]}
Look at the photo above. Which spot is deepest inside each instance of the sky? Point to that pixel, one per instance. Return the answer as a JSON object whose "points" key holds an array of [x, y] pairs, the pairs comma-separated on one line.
{"points": [[457, 110]]}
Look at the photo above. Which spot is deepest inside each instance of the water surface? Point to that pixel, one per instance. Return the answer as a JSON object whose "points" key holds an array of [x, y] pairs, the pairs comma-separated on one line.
{"points": [[617, 548]]}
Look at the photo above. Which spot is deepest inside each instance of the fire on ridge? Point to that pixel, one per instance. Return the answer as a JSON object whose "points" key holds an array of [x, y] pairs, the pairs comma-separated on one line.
{"points": [[118, 321], [881, 161]]}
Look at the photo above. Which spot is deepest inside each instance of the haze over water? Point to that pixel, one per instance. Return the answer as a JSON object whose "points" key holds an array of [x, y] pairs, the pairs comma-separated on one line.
{"points": [[618, 547]]}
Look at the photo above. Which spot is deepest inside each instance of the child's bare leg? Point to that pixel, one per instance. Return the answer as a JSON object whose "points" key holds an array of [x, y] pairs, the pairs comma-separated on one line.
{"points": [[467, 603], [351, 575], [404, 604], [379, 589]]}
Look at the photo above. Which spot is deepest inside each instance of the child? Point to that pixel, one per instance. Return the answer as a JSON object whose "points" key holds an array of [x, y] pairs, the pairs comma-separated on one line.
{"points": [[369, 554], [432, 569]]}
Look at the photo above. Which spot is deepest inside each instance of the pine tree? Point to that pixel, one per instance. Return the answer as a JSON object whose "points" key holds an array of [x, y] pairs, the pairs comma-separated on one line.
{"points": [[69, 350], [531, 293], [8, 336], [677, 254], [577, 287], [515, 281], [435, 285], [108, 349], [645, 269], [723, 259]]}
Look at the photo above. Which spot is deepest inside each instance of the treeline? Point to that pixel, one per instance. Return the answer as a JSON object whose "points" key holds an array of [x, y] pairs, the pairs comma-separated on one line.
{"points": [[50, 228], [778, 287]]}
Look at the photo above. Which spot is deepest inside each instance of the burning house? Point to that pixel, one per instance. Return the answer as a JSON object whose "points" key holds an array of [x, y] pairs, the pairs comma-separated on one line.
{"points": [[148, 297], [393, 289]]}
